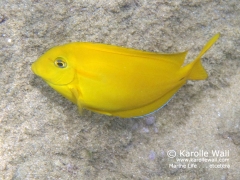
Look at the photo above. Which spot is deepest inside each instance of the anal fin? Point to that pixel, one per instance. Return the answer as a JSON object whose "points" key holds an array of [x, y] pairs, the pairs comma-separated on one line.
{"points": [[149, 108]]}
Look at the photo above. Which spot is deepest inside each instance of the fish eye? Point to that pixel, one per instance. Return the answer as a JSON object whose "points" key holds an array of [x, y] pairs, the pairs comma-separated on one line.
{"points": [[59, 62]]}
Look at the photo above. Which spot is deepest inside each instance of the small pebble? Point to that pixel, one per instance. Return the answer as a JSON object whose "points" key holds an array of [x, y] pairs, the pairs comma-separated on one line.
{"points": [[145, 130], [150, 120], [152, 155]]}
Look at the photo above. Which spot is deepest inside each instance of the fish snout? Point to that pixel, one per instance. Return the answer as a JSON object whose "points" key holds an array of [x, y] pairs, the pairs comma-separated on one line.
{"points": [[33, 68]]}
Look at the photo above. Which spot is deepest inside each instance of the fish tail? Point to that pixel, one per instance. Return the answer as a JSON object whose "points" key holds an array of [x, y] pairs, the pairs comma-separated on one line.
{"points": [[197, 71]]}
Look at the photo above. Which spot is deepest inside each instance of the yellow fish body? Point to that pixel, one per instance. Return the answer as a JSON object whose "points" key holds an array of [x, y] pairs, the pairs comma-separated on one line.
{"points": [[114, 80]]}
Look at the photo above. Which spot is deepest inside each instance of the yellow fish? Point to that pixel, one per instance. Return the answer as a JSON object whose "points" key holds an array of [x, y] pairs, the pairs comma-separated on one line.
{"points": [[114, 80]]}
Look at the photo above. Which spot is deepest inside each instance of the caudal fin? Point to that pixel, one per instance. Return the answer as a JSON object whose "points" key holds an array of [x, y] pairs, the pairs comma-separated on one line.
{"points": [[197, 71]]}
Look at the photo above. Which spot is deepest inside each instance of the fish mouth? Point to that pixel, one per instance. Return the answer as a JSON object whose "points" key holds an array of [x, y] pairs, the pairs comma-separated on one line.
{"points": [[34, 69]]}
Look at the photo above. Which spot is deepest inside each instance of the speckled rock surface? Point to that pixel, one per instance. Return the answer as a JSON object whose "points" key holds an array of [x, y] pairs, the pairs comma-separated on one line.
{"points": [[42, 135]]}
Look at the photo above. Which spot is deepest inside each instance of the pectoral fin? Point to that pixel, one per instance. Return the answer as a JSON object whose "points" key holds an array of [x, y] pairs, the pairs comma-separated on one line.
{"points": [[77, 94]]}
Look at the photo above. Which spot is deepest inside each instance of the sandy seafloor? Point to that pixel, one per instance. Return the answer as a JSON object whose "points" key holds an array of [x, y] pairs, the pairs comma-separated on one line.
{"points": [[42, 135]]}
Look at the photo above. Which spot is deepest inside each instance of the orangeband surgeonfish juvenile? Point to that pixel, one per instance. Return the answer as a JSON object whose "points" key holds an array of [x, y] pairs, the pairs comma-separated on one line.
{"points": [[114, 80]]}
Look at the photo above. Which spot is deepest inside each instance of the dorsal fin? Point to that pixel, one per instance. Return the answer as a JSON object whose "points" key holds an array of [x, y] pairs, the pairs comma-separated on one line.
{"points": [[174, 58]]}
